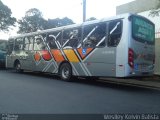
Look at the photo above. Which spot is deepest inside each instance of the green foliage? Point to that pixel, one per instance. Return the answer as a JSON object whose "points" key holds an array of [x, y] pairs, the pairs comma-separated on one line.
{"points": [[32, 22], [91, 18], [52, 23], [156, 11], [5, 17]]}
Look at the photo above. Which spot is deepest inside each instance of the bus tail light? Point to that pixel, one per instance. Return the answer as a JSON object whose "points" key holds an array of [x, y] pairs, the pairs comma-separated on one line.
{"points": [[131, 58]]}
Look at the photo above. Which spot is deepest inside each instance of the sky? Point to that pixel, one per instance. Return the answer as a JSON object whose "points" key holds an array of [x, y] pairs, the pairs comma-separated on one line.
{"points": [[72, 9]]}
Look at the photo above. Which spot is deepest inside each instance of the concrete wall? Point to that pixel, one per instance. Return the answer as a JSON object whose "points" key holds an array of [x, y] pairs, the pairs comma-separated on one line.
{"points": [[157, 60], [137, 6]]}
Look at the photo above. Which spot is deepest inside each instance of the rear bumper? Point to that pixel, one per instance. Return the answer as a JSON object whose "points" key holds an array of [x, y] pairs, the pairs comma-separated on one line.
{"points": [[146, 71], [141, 73]]}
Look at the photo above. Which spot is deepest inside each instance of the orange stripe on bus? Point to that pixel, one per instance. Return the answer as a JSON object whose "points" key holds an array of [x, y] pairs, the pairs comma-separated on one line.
{"points": [[37, 56], [46, 55], [72, 57], [80, 51], [57, 55]]}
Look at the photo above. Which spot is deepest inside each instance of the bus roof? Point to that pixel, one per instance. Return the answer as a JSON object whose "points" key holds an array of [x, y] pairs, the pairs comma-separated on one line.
{"points": [[3, 40], [73, 25]]}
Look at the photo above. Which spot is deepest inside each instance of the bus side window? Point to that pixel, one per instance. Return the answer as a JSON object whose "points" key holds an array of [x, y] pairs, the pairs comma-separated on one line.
{"points": [[71, 38], [59, 38], [39, 44], [115, 33], [94, 35], [18, 44], [87, 31], [99, 35], [31, 40], [51, 40], [26, 44], [10, 46]]}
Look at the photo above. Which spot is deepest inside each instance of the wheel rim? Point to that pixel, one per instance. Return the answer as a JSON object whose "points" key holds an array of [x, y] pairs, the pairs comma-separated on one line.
{"points": [[18, 67], [65, 72]]}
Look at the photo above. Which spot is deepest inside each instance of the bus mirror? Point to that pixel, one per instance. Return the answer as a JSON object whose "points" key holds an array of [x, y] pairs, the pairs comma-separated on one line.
{"points": [[130, 18], [9, 51]]}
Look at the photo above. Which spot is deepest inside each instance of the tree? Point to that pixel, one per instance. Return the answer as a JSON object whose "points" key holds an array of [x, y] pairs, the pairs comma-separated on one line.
{"points": [[91, 18], [66, 21], [5, 17], [52, 23], [155, 11], [32, 22]]}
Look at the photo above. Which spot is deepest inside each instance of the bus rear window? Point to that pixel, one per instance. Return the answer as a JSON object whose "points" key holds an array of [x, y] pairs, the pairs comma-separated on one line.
{"points": [[143, 30]]}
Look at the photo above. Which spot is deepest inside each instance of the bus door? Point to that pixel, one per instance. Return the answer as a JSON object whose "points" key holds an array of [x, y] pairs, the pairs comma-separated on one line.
{"points": [[18, 53], [28, 60], [53, 43], [42, 56], [10, 47]]}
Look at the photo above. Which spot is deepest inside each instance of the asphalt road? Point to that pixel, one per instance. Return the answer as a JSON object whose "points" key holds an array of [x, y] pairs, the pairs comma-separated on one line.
{"points": [[36, 93]]}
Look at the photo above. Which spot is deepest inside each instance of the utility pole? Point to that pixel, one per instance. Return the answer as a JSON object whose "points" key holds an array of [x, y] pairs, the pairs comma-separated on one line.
{"points": [[84, 10]]}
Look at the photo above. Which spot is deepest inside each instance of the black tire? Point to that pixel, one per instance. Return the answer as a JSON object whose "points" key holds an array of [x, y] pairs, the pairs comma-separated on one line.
{"points": [[18, 67], [65, 72]]}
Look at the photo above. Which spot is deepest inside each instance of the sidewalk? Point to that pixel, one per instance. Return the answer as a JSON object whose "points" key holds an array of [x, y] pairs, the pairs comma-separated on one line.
{"points": [[150, 82]]}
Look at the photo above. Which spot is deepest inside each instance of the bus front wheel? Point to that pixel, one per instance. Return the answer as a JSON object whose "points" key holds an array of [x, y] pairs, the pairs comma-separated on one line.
{"points": [[65, 72], [18, 67]]}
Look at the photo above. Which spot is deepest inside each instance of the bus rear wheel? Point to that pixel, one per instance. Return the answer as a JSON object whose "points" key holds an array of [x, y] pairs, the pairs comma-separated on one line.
{"points": [[18, 67], [65, 72]]}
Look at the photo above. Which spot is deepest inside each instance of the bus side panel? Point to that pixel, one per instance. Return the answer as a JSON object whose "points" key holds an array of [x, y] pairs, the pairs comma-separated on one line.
{"points": [[43, 61], [79, 69], [9, 62], [50, 68], [101, 69], [122, 51], [101, 62]]}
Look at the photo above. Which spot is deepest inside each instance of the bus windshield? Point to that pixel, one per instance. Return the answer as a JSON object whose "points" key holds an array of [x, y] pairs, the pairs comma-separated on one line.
{"points": [[3, 45], [143, 30]]}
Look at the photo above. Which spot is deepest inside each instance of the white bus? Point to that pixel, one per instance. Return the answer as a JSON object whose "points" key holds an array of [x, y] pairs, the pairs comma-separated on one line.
{"points": [[121, 46]]}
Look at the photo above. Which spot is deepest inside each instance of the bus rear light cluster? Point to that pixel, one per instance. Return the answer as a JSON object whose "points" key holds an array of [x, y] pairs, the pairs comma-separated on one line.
{"points": [[131, 58]]}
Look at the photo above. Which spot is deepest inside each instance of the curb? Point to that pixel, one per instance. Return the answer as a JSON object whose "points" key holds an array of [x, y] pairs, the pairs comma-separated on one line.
{"points": [[145, 83]]}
